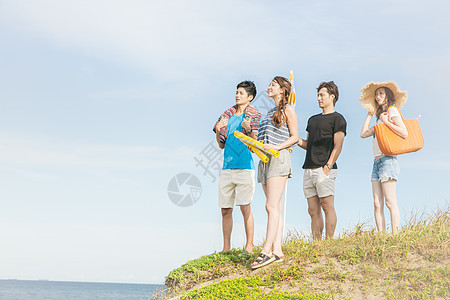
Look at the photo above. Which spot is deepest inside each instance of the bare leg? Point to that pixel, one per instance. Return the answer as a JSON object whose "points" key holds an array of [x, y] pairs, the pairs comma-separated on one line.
{"points": [[378, 205], [277, 246], [249, 226], [315, 213], [227, 227], [279, 235], [274, 192], [327, 204], [390, 195], [264, 187]]}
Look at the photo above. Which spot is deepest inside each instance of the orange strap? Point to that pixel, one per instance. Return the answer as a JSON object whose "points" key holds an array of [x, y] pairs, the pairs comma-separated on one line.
{"points": [[398, 111]]}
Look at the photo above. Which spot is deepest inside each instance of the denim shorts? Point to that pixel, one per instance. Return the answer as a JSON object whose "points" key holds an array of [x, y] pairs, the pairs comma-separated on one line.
{"points": [[385, 168]]}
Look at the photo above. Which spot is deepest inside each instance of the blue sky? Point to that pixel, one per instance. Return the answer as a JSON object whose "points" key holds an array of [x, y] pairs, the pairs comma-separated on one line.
{"points": [[103, 102]]}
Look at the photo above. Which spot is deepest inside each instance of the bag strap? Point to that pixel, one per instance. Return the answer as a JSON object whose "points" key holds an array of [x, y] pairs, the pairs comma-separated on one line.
{"points": [[398, 111]]}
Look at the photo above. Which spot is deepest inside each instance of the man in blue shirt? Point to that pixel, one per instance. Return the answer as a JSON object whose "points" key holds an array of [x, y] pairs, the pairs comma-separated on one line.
{"points": [[237, 179]]}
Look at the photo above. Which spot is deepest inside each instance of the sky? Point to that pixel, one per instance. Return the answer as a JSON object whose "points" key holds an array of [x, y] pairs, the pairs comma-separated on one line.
{"points": [[104, 103]]}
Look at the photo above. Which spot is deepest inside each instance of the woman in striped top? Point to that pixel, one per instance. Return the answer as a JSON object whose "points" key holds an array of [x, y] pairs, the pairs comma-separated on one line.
{"points": [[279, 131]]}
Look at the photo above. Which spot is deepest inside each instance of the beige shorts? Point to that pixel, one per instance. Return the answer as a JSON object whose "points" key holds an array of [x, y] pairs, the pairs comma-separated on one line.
{"points": [[315, 182], [276, 166], [236, 185]]}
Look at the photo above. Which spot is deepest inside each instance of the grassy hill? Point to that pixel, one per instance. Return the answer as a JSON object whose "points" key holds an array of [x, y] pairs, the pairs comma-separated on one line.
{"points": [[360, 264]]}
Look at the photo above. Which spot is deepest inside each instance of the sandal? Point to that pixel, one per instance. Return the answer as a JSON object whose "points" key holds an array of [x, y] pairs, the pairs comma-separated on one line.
{"points": [[262, 260], [278, 259]]}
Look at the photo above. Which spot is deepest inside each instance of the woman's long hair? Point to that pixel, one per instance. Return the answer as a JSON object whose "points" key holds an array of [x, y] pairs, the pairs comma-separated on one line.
{"points": [[279, 117], [384, 107]]}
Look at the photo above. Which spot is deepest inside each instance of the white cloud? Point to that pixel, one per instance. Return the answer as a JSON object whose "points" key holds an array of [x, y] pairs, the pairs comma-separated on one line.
{"points": [[42, 156], [122, 94], [180, 37], [418, 165], [155, 35], [37, 251], [188, 41]]}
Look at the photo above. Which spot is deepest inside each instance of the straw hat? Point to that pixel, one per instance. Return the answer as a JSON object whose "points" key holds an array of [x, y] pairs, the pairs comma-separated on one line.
{"points": [[367, 98]]}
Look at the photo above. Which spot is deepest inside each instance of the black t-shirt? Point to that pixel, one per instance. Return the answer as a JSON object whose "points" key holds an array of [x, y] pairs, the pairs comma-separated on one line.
{"points": [[321, 129]]}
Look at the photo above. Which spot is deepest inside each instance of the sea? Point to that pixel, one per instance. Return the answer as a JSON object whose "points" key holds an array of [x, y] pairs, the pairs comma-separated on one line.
{"points": [[65, 290]]}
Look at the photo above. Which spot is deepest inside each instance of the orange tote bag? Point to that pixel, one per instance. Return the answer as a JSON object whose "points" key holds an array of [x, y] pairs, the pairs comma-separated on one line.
{"points": [[391, 144]]}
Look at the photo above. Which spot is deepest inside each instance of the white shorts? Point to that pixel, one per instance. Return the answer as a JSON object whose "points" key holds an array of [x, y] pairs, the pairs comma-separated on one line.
{"points": [[236, 185], [316, 183]]}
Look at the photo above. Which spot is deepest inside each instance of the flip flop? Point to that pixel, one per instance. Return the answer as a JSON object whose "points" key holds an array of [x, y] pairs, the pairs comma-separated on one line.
{"points": [[278, 259], [262, 260]]}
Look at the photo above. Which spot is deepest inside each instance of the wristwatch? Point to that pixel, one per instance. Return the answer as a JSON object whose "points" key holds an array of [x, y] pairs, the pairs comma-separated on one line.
{"points": [[329, 166]]}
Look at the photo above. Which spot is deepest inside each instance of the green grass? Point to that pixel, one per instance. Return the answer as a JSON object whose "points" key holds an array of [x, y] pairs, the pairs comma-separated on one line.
{"points": [[413, 264], [246, 288], [207, 267], [422, 285]]}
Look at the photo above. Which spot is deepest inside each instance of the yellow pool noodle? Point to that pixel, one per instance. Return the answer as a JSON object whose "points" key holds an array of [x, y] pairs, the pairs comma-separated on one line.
{"points": [[259, 153], [252, 142]]}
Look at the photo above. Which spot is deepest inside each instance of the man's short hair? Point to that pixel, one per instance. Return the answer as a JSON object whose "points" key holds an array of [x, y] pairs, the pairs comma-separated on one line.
{"points": [[249, 87], [332, 89]]}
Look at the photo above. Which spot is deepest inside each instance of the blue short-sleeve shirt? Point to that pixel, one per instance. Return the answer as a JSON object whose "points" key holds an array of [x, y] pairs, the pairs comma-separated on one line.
{"points": [[236, 154]]}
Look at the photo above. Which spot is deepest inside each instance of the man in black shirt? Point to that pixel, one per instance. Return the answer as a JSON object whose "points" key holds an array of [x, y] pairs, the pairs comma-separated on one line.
{"points": [[326, 132]]}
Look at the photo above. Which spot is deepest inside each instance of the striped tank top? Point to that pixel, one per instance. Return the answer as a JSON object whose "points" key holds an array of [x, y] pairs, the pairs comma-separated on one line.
{"points": [[269, 134]]}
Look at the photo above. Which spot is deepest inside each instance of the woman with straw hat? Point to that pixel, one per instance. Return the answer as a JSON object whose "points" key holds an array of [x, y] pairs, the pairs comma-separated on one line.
{"points": [[384, 99]]}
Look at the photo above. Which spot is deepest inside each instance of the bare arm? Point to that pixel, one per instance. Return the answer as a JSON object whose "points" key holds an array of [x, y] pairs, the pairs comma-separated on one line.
{"points": [[247, 126], [338, 142], [223, 122], [366, 131], [254, 135], [221, 145], [303, 143], [397, 125]]}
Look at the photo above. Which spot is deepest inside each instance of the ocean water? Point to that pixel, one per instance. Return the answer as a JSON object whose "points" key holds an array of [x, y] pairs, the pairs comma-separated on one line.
{"points": [[63, 290]]}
